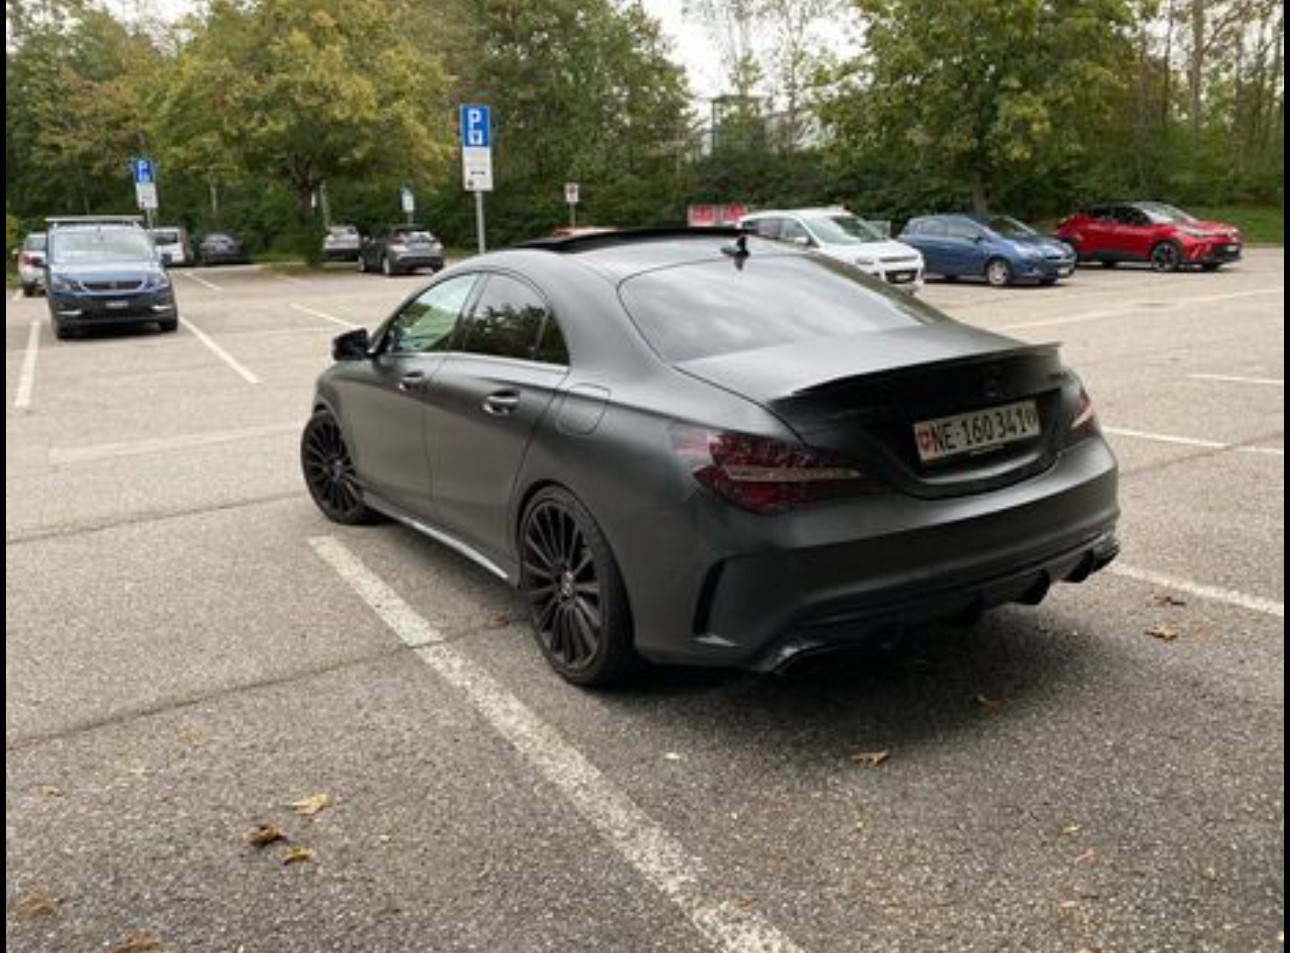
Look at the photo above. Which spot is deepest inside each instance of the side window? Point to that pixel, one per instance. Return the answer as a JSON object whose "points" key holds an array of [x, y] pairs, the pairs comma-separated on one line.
{"points": [[506, 320], [426, 323], [933, 228], [551, 348], [1126, 215], [767, 227], [962, 230], [794, 231]]}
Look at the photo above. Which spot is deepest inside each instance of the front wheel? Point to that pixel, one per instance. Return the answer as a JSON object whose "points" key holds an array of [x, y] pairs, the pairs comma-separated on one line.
{"points": [[168, 325], [1212, 265], [28, 291], [998, 273], [362, 264], [387, 267], [1166, 256], [329, 472], [577, 602]]}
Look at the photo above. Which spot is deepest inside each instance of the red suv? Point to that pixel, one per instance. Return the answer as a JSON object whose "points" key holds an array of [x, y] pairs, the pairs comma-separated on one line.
{"points": [[1165, 236]]}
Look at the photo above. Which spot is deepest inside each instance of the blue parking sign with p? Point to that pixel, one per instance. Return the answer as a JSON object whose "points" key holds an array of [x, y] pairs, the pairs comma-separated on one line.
{"points": [[474, 127], [144, 172]]}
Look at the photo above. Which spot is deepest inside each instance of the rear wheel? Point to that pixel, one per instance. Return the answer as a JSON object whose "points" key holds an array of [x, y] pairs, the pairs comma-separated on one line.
{"points": [[329, 472], [577, 602], [998, 273], [387, 267], [1166, 256]]}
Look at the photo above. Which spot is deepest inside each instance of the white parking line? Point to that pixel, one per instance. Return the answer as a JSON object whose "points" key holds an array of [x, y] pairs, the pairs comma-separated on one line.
{"points": [[200, 280], [1139, 307], [1215, 593], [1193, 442], [27, 376], [59, 456], [222, 354], [324, 315], [655, 854], [291, 278], [1237, 379]]}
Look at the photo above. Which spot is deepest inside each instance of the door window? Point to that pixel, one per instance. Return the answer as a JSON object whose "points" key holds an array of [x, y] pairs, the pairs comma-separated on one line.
{"points": [[794, 231], [427, 322], [933, 229], [506, 321], [962, 230]]}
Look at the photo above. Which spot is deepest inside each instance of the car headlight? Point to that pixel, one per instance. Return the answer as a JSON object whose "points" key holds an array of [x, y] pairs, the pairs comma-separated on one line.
{"points": [[1193, 233], [1026, 251], [865, 262], [158, 281], [57, 283]]}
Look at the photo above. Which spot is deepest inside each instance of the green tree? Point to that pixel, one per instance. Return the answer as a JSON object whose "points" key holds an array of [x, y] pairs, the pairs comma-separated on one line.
{"points": [[990, 97], [303, 91]]}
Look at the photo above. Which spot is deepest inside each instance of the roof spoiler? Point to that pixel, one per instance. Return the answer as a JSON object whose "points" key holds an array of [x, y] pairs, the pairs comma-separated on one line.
{"points": [[618, 236]]}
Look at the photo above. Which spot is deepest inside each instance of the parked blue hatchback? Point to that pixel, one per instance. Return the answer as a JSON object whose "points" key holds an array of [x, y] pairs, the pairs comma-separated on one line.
{"points": [[997, 248]]}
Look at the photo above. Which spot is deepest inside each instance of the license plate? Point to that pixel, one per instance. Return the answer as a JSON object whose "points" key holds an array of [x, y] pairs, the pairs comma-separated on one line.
{"points": [[900, 277], [977, 431], [116, 305]]}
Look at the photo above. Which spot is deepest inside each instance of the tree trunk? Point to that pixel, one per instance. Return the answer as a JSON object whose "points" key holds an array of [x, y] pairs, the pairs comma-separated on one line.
{"points": [[980, 204], [1196, 68]]}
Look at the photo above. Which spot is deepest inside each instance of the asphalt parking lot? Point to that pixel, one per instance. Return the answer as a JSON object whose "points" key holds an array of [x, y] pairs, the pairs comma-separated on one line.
{"points": [[192, 649]]}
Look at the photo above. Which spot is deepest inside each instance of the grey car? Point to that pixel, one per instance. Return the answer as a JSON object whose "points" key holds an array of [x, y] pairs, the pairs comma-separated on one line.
{"points": [[400, 249], [710, 449], [341, 243]]}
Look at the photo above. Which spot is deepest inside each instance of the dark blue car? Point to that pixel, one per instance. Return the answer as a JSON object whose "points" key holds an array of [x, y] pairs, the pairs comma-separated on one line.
{"points": [[997, 248]]}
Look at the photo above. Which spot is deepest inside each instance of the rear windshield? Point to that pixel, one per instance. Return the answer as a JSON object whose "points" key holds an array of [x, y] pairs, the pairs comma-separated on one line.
{"points": [[413, 235], [166, 236], [723, 307], [101, 244], [35, 241]]}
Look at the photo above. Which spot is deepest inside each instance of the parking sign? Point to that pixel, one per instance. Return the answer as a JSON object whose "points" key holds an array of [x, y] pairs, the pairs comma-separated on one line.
{"points": [[476, 149], [475, 132]]}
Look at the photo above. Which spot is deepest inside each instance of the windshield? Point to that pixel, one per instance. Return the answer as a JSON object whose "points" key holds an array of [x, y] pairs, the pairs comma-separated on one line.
{"points": [[166, 236], [713, 308], [35, 242], [1007, 227], [843, 230], [1160, 213], [100, 244]]}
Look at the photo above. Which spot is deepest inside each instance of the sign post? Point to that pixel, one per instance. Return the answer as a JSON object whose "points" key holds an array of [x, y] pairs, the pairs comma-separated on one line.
{"points": [[145, 186], [477, 161], [571, 199], [408, 202]]}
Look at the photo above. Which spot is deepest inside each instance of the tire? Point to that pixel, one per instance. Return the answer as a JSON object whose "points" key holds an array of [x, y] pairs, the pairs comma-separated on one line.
{"points": [[1048, 282], [169, 325], [1212, 265], [1166, 256], [577, 602], [1108, 263], [387, 268], [362, 264], [329, 472], [998, 273], [28, 291], [63, 332]]}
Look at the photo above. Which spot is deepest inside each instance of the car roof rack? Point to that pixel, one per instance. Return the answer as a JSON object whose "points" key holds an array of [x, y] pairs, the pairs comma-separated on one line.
{"points": [[623, 236], [54, 221]]}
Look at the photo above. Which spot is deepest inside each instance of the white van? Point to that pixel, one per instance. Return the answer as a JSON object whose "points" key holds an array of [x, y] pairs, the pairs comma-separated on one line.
{"points": [[172, 244], [836, 232]]}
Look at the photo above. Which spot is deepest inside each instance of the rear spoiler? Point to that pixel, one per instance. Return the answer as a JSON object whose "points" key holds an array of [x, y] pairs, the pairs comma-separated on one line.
{"points": [[1042, 352]]}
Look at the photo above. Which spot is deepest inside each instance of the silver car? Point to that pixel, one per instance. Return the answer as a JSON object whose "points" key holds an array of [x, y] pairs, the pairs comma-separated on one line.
{"points": [[31, 263], [341, 243]]}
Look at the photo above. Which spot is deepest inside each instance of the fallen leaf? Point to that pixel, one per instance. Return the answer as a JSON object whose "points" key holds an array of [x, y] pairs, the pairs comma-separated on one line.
{"points": [[860, 824], [296, 855], [1090, 949], [1085, 858], [36, 905], [190, 737], [137, 943], [672, 756], [309, 806], [1164, 632], [1165, 599], [1070, 830], [262, 835], [50, 790], [991, 705], [742, 903], [870, 758]]}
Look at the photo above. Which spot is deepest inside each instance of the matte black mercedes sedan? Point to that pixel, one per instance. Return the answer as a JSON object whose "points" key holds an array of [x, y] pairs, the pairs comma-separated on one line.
{"points": [[704, 448]]}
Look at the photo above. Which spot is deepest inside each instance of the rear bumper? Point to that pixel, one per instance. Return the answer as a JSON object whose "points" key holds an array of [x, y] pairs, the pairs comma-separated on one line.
{"points": [[413, 262], [759, 591]]}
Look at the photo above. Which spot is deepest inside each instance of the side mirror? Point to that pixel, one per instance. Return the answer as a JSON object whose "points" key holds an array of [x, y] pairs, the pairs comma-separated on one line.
{"points": [[167, 259], [351, 346], [803, 241]]}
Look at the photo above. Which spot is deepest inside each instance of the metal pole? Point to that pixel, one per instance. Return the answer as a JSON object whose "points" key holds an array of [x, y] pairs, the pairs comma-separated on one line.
{"points": [[573, 214], [479, 220]]}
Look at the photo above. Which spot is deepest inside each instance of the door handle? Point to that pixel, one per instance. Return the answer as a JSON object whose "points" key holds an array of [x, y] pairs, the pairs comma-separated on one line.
{"points": [[412, 381], [501, 403]]}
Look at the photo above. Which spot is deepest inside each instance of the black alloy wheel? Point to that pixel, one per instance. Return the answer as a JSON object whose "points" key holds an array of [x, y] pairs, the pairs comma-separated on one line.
{"points": [[329, 472], [577, 603], [1167, 256]]}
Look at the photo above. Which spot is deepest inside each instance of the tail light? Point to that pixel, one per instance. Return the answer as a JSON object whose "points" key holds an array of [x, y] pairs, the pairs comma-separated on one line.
{"points": [[1084, 421], [766, 476]]}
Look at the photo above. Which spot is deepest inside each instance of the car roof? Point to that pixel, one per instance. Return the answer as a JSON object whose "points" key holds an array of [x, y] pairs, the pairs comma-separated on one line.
{"points": [[813, 210]]}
